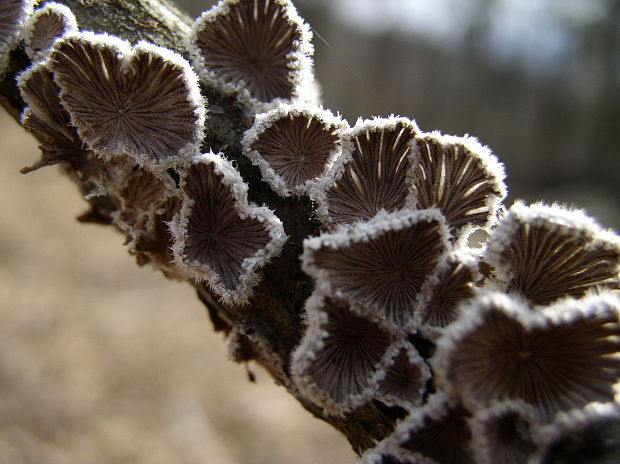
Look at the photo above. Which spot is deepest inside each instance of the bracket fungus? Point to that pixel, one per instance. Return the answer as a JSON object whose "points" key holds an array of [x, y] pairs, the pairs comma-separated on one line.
{"points": [[373, 173], [260, 48], [341, 356], [46, 25], [218, 236], [504, 433], [460, 177], [545, 253], [13, 14], [381, 263], [503, 353], [556, 359], [424, 435], [441, 297], [293, 145], [405, 379], [141, 101]]}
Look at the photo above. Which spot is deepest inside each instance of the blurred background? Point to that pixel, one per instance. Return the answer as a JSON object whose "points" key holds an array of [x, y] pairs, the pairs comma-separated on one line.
{"points": [[105, 362]]}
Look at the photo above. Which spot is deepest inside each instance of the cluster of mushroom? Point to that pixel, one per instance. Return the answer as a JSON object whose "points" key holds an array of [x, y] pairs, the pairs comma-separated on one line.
{"points": [[491, 350]]}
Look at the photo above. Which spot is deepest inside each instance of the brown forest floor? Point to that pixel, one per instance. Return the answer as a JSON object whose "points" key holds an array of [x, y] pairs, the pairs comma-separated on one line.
{"points": [[103, 362]]}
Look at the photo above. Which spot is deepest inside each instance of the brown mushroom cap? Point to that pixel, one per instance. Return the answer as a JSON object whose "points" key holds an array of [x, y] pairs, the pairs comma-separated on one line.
{"points": [[257, 46], [560, 358], [548, 252], [143, 101], [373, 174]]}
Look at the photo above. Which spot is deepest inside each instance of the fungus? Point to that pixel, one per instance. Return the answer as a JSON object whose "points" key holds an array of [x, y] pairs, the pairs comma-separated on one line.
{"points": [[256, 46], [585, 435], [154, 243], [503, 433], [293, 145], [142, 101], [548, 252], [340, 358], [381, 263], [12, 15], [45, 25], [219, 237], [372, 174], [405, 379], [451, 283], [45, 116], [461, 178], [142, 194], [559, 358], [437, 433]]}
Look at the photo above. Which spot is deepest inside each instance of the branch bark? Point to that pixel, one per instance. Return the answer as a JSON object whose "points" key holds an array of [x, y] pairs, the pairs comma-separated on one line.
{"points": [[270, 326]]}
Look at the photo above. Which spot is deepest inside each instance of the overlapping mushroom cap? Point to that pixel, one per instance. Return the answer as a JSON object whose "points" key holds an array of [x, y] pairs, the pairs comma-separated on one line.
{"points": [[558, 358], [373, 173], [381, 263], [293, 145], [436, 433], [45, 25], [13, 13], [504, 433], [142, 101], [460, 177], [260, 48], [219, 237], [405, 379], [547, 252], [342, 354]]}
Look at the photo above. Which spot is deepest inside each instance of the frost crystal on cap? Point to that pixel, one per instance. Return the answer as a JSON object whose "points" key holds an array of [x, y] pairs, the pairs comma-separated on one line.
{"points": [[12, 15], [503, 433], [259, 45], [47, 24], [437, 433], [144, 102], [219, 237], [460, 177], [449, 285], [339, 360], [293, 145], [548, 252], [557, 359], [405, 379], [372, 174], [381, 263]]}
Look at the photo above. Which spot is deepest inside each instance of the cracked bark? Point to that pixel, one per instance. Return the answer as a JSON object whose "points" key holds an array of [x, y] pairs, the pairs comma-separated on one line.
{"points": [[271, 324]]}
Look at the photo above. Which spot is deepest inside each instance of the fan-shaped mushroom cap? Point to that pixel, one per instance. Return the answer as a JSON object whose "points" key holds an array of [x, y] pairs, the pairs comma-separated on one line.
{"points": [[373, 173], [143, 101], [460, 177], [13, 13], [260, 48], [219, 237], [341, 356], [446, 288], [549, 252], [405, 379], [437, 433], [560, 358], [578, 435], [45, 116], [503, 433], [48, 23], [293, 145], [381, 263]]}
